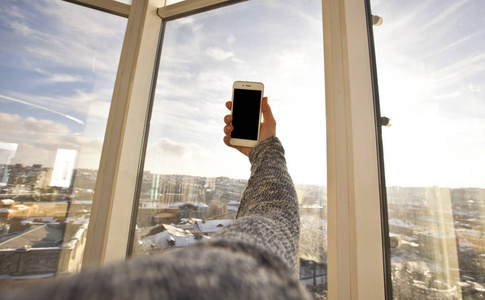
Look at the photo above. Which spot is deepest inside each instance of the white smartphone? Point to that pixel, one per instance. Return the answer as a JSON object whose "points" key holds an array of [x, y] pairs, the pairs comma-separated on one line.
{"points": [[247, 98]]}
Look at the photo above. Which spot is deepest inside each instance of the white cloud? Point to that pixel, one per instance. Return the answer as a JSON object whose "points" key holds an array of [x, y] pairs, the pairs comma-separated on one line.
{"points": [[231, 39], [65, 35], [167, 147], [38, 141], [187, 22], [58, 77], [12, 12], [166, 156], [218, 54], [12, 125], [21, 28], [68, 56], [453, 10]]}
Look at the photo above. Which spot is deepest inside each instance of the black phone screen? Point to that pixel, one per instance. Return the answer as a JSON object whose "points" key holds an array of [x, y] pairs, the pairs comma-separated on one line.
{"points": [[245, 114]]}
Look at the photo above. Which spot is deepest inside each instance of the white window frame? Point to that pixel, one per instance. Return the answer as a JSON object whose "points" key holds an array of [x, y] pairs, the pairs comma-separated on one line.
{"points": [[355, 246], [109, 6], [112, 208]]}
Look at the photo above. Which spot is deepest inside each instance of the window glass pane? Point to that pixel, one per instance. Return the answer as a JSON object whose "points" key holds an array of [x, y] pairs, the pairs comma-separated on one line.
{"points": [[192, 181], [58, 65], [431, 68]]}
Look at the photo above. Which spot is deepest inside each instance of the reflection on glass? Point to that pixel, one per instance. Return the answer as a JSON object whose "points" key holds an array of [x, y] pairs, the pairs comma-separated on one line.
{"points": [[57, 72], [431, 68], [7, 152], [192, 182]]}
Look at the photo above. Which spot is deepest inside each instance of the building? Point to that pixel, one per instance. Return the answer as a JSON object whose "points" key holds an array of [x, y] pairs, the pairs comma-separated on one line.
{"points": [[168, 237], [10, 210], [43, 251]]}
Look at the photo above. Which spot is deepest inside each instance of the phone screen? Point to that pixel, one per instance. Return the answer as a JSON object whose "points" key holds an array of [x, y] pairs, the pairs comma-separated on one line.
{"points": [[245, 114]]}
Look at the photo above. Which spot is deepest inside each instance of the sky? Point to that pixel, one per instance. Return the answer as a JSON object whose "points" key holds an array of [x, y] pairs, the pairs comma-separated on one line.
{"points": [[204, 54], [431, 75], [57, 72], [56, 84], [59, 61]]}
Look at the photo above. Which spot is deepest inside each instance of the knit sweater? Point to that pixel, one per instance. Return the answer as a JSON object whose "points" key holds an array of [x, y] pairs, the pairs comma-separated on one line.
{"points": [[255, 257]]}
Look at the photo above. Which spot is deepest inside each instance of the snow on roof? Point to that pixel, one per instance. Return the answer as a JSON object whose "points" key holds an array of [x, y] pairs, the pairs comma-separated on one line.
{"points": [[233, 205], [82, 202], [179, 203], [7, 201], [176, 204], [213, 225], [14, 208], [171, 237], [21, 207], [401, 223]]}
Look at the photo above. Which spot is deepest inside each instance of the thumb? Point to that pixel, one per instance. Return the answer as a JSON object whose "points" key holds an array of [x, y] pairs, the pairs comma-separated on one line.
{"points": [[267, 113]]}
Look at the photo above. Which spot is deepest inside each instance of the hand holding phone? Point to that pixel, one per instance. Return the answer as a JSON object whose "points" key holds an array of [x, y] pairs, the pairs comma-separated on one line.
{"points": [[247, 99], [267, 128]]}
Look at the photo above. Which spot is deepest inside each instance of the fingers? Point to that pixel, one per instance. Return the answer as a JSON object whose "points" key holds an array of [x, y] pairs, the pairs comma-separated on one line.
{"points": [[228, 119], [228, 129], [226, 139]]}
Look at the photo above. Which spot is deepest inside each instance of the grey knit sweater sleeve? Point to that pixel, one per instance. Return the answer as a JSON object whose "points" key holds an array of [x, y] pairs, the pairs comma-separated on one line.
{"points": [[255, 257], [268, 217]]}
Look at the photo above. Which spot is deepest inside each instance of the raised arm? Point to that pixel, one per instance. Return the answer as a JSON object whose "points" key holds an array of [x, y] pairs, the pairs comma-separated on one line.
{"points": [[268, 216]]}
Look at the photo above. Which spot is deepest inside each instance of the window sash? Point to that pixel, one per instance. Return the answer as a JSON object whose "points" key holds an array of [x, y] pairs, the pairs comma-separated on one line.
{"points": [[355, 247], [112, 210]]}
